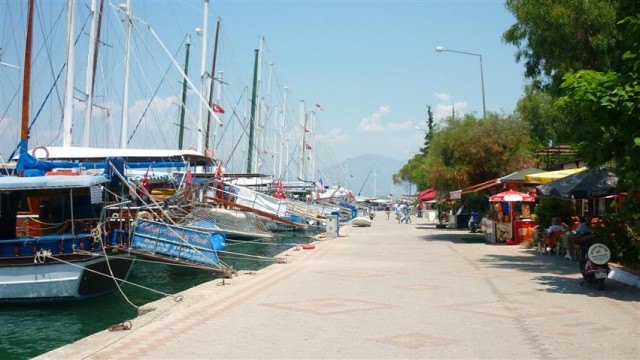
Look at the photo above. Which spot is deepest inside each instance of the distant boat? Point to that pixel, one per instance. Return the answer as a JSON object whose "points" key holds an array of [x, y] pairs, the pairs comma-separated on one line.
{"points": [[361, 222]]}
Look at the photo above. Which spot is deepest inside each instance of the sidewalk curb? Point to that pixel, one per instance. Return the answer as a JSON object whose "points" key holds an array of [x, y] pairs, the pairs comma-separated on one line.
{"points": [[620, 274]]}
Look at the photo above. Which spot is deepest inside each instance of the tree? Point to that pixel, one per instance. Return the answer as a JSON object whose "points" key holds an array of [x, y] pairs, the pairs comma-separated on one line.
{"points": [[607, 104], [413, 171], [546, 121], [557, 37], [470, 150], [431, 130]]}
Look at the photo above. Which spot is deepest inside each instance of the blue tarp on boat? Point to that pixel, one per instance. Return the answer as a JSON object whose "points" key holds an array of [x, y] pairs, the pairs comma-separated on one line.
{"points": [[178, 242]]}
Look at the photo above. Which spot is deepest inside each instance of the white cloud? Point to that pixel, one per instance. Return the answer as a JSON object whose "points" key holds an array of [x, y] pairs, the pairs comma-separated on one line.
{"points": [[443, 97], [445, 108], [372, 122]]}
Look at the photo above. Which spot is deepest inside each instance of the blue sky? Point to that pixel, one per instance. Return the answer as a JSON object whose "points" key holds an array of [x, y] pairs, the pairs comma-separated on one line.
{"points": [[371, 65]]}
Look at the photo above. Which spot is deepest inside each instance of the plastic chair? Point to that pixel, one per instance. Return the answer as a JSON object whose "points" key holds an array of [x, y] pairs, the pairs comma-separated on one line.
{"points": [[551, 241]]}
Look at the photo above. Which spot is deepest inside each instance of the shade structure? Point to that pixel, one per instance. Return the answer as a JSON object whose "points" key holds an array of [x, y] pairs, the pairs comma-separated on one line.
{"points": [[427, 195], [587, 184], [549, 176], [519, 176], [511, 196]]}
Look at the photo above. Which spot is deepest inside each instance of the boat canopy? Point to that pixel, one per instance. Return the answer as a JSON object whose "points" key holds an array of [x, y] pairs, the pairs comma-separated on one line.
{"points": [[15, 183]]}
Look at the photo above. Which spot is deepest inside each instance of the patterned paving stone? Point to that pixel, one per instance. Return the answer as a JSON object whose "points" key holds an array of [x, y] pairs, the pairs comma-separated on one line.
{"points": [[329, 306], [417, 340]]}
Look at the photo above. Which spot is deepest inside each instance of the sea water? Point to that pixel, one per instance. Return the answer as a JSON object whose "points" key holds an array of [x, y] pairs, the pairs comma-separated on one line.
{"points": [[27, 331]]}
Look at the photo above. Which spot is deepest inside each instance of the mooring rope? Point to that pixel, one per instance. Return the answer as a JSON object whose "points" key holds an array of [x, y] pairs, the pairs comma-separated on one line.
{"points": [[176, 297]]}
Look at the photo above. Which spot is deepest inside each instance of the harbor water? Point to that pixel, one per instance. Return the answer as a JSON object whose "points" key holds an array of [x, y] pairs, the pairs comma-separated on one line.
{"points": [[27, 331]]}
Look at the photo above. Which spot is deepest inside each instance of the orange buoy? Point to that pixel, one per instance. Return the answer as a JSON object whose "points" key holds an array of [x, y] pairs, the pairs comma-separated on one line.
{"points": [[308, 246]]}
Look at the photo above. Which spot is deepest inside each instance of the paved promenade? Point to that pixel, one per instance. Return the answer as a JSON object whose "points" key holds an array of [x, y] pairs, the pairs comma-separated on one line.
{"points": [[391, 291]]}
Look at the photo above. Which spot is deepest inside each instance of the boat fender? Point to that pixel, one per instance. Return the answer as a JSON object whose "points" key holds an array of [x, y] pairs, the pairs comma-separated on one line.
{"points": [[96, 233], [308, 246], [144, 215]]}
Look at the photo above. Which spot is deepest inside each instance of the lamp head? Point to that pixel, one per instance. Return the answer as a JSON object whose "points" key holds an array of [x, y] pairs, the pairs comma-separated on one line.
{"points": [[440, 49]]}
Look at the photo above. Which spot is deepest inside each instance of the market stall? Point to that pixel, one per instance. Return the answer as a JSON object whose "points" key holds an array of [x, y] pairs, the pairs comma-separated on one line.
{"points": [[507, 226]]}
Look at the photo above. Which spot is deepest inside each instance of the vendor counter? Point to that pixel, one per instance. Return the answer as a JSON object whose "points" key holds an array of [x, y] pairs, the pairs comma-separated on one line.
{"points": [[508, 232]]}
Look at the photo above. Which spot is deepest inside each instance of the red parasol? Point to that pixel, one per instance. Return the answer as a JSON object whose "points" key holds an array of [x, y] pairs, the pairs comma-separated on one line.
{"points": [[512, 195]]}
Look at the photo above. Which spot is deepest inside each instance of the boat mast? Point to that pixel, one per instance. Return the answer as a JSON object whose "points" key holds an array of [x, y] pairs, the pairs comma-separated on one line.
{"points": [[203, 61], [24, 131], [211, 84], [303, 121], [94, 49], [275, 139], [218, 101], [312, 127], [125, 95], [284, 111], [252, 118], [183, 104], [67, 135]]}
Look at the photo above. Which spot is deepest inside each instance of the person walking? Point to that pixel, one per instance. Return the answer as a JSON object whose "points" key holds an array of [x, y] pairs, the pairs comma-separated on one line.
{"points": [[387, 209], [407, 214], [396, 211]]}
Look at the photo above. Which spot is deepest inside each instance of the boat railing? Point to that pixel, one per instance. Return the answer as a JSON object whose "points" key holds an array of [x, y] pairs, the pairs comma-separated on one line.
{"points": [[57, 244]]}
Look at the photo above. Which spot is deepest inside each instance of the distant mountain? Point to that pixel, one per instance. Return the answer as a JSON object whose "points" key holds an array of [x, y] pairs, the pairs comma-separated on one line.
{"points": [[367, 175]]}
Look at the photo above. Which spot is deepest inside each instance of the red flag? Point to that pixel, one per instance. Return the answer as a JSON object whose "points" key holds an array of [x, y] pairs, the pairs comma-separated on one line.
{"points": [[306, 130], [217, 108], [143, 186], [319, 107], [266, 152], [307, 146], [219, 171], [189, 177]]}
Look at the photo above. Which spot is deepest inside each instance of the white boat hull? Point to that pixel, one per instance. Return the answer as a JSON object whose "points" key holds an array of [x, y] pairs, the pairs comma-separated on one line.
{"points": [[61, 281], [360, 221]]}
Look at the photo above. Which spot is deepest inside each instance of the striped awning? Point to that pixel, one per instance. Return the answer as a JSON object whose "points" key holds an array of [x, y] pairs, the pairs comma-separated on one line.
{"points": [[549, 176]]}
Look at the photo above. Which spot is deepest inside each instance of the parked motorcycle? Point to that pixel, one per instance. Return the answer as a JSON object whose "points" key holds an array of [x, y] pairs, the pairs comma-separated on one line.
{"points": [[594, 261], [474, 221]]}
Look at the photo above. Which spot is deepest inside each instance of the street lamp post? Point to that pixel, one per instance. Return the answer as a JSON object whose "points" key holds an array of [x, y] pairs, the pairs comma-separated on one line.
{"points": [[442, 49]]}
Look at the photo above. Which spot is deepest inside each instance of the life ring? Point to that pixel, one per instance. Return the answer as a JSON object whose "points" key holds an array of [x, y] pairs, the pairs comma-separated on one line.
{"points": [[46, 152], [144, 215], [308, 247]]}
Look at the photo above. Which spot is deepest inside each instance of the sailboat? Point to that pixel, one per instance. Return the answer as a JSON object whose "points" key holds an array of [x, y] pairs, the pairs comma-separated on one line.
{"points": [[54, 241]]}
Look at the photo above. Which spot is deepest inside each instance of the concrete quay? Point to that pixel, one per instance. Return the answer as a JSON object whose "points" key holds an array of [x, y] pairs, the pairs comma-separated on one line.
{"points": [[389, 291]]}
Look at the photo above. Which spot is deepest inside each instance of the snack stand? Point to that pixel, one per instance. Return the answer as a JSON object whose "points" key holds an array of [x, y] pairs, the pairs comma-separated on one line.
{"points": [[503, 205]]}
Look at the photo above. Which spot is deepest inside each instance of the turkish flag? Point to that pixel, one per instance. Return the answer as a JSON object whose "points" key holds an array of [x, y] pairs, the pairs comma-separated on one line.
{"points": [[189, 177], [217, 108], [219, 171], [307, 146]]}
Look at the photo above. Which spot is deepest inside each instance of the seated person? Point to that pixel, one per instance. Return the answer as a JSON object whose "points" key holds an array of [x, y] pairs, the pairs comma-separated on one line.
{"points": [[583, 227], [556, 225]]}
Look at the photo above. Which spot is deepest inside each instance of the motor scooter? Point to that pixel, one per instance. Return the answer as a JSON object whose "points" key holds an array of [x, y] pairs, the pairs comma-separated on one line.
{"points": [[372, 214], [474, 221], [594, 261]]}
